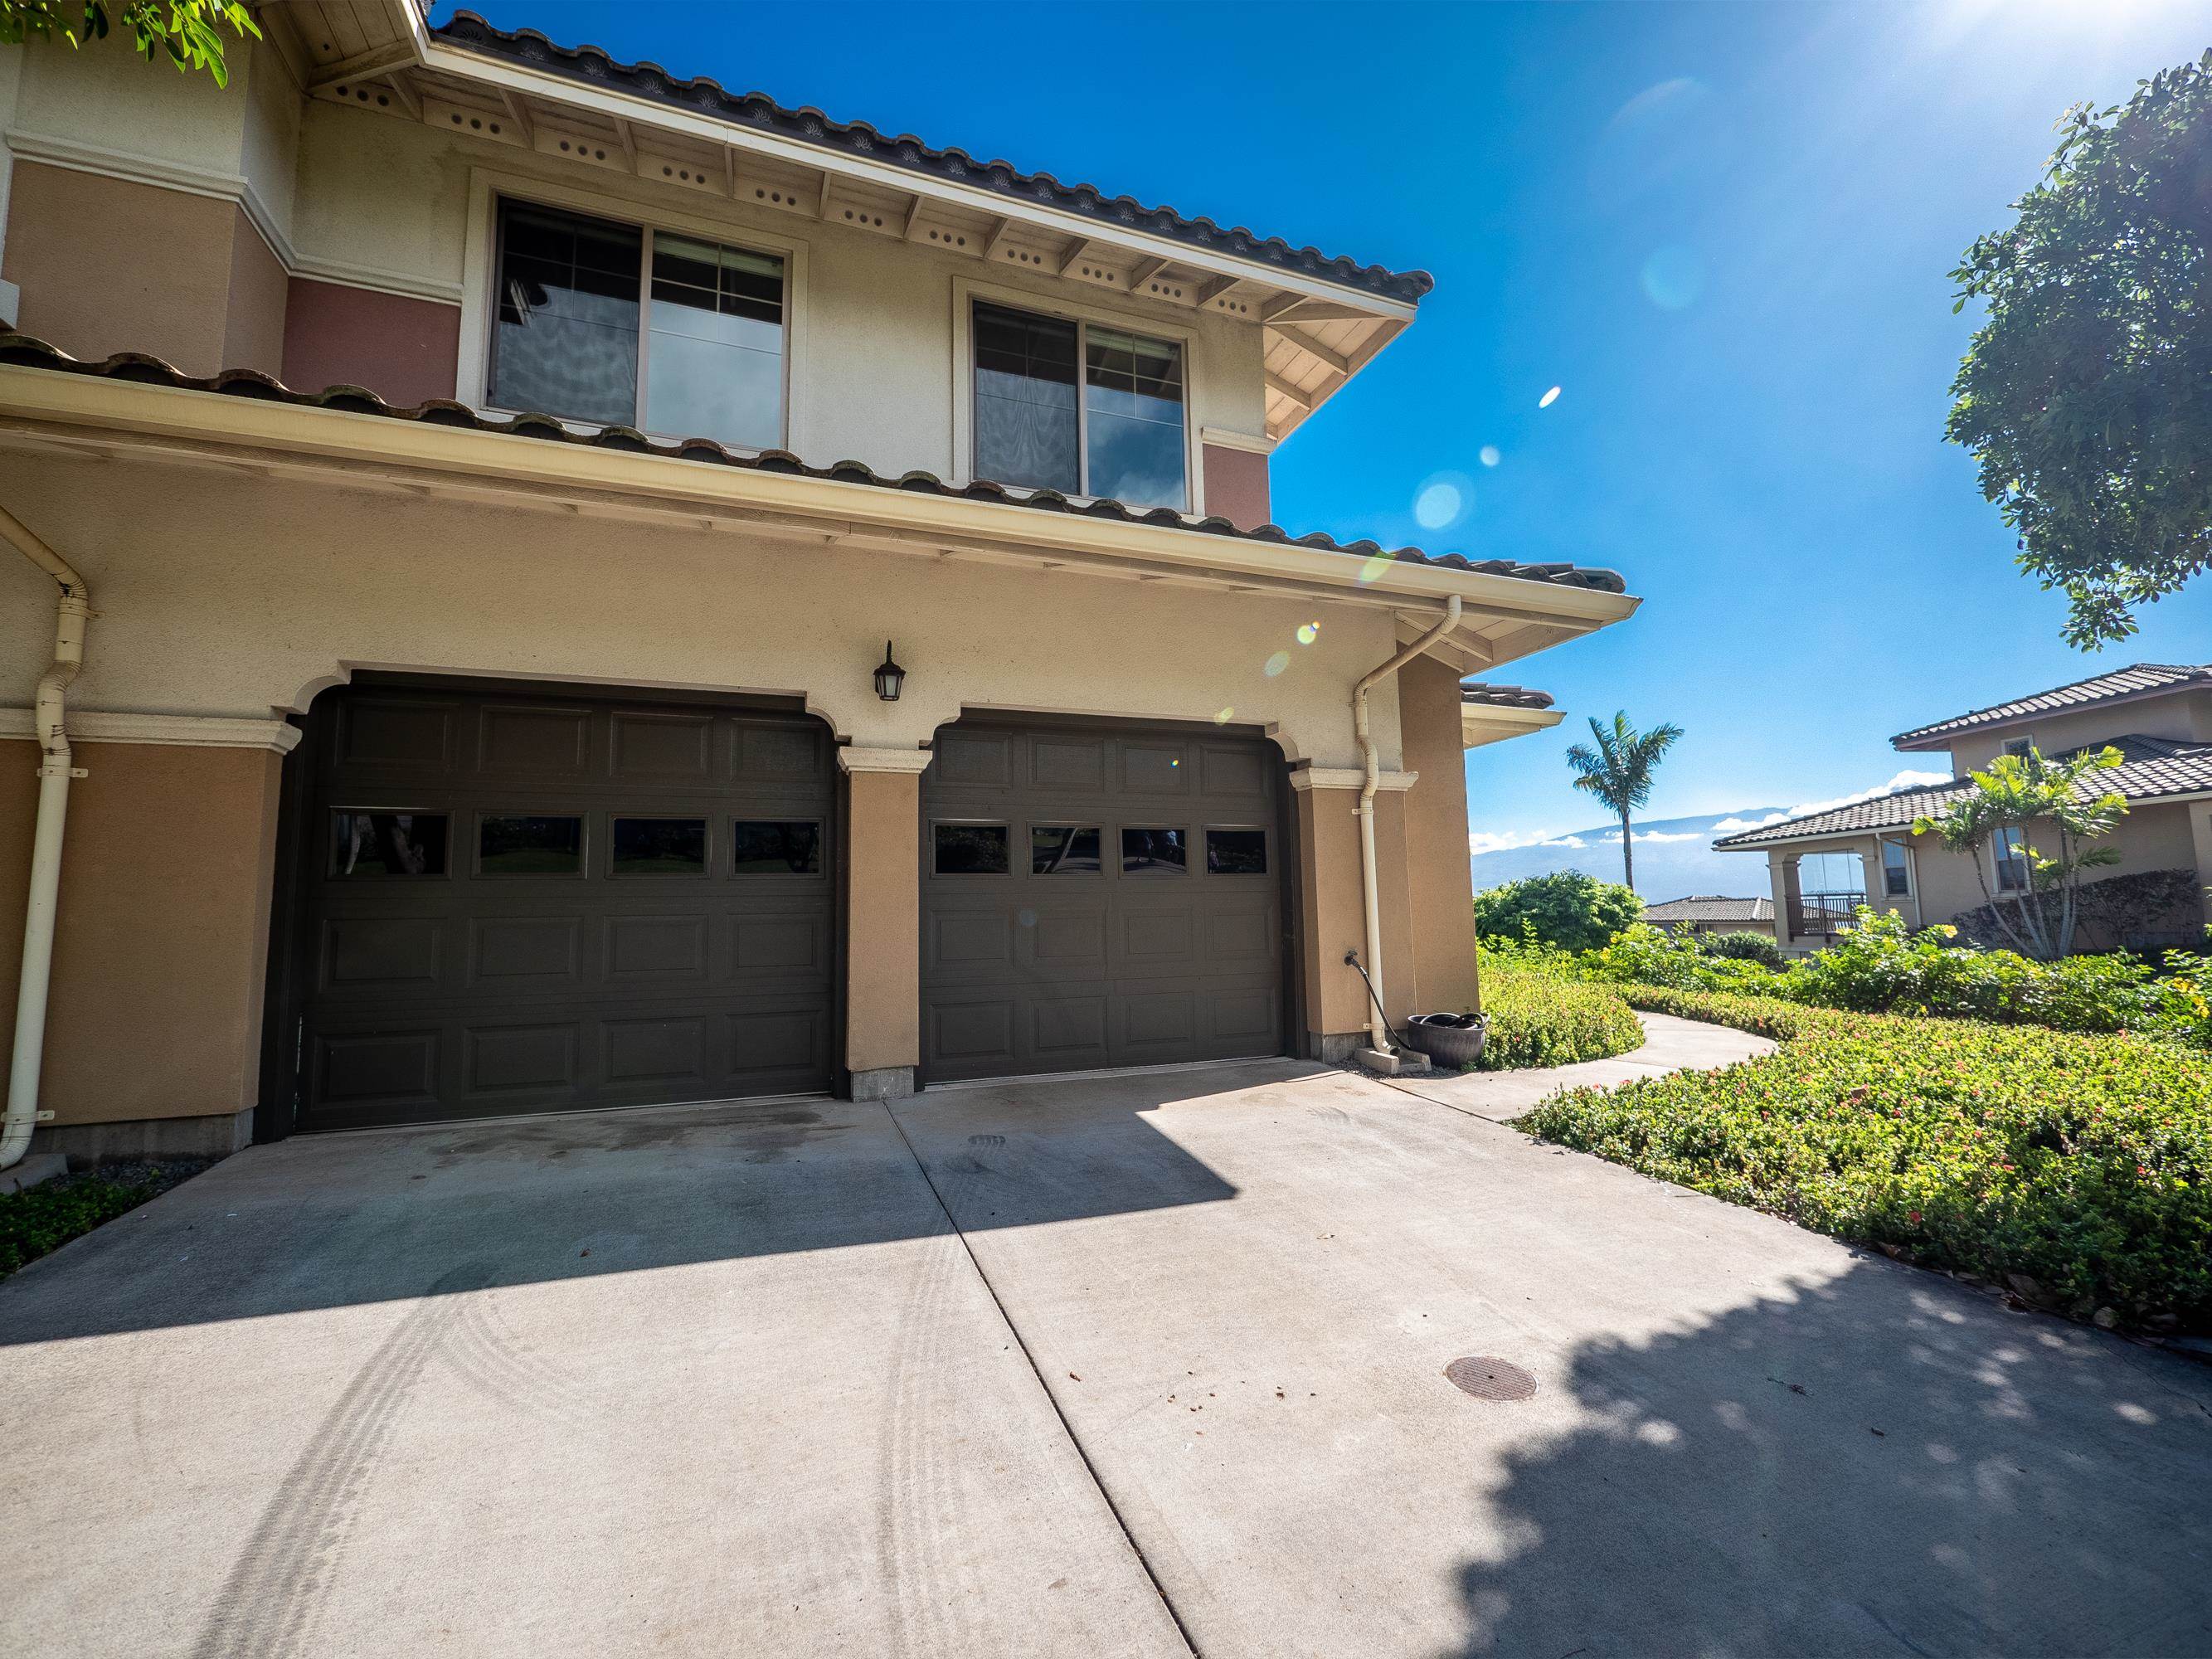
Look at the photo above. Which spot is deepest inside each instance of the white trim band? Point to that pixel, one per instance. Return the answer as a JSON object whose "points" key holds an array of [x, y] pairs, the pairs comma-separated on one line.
{"points": [[1349, 777], [913, 760], [176, 731]]}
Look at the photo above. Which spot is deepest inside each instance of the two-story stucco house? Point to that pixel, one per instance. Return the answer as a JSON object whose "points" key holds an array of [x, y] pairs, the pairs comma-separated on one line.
{"points": [[2158, 715], [605, 592]]}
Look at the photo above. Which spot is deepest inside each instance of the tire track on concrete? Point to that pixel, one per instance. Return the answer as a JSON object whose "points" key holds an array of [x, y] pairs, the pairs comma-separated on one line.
{"points": [[277, 1587]]}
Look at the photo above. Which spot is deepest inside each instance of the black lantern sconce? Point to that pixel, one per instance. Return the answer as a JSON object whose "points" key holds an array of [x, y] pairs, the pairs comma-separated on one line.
{"points": [[891, 678]]}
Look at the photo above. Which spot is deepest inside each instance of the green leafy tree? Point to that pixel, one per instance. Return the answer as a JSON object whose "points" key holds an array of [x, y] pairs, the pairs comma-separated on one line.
{"points": [[1618, 772], [2087, 394], [184, 31], [1566, 908], [2059, 801]]}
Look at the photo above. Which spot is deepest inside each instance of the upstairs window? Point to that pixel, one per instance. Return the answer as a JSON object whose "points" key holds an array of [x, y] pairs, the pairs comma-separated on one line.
{"points": [[1080, 407], [604, 322]]}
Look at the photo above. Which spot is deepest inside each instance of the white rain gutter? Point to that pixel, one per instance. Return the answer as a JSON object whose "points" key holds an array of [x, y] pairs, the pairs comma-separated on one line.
{"points": [[1378, 1031], [72, 607]]}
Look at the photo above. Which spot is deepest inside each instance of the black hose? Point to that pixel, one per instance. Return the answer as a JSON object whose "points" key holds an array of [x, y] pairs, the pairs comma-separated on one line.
{"points": [[1352, 960]]}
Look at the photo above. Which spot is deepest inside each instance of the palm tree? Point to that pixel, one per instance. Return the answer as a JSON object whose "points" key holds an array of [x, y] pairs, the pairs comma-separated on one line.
{"points": [[1618, 772]]}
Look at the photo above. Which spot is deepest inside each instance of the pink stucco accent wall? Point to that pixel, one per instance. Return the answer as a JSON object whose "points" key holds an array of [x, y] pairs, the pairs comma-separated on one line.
{"points": [[1236, 484], [403, 349]]}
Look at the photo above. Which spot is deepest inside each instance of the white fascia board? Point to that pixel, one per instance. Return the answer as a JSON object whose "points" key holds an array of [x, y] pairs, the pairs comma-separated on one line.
{"points": [[647, 111], [1486, 723]]}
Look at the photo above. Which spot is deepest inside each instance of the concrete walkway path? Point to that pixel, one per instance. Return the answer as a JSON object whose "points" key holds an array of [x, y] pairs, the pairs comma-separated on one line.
{"points": [[1669, 1045]]}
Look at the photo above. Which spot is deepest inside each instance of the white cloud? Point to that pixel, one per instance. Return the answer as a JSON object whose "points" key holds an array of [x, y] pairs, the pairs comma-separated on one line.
{"points": [[1664, 836], [1575, 842], [1480, 842]]}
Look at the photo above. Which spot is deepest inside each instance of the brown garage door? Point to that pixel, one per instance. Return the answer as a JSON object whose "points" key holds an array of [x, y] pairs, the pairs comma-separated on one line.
{"points": [[1098, 896], [511, 903]]}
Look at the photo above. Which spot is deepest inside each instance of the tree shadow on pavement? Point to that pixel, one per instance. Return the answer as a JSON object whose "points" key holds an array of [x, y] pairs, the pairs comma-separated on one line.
{"points": [[1814, 1475]]}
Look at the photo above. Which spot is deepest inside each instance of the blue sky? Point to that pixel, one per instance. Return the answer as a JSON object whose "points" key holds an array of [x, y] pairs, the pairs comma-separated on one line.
{"points": [[1722, 230]]}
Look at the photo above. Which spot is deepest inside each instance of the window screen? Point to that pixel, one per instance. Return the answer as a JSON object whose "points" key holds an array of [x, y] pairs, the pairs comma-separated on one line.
{"points": [[1132, 404], [715, 345], [566, 340], [1027, 430]]}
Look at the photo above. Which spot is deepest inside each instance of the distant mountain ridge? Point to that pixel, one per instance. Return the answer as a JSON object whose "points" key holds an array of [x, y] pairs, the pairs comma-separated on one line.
{"points": [[1675, 857]]}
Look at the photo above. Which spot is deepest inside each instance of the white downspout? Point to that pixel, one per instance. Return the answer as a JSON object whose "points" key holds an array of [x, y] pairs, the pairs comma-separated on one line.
{"points": [[55, 771], [1378, 1031]]}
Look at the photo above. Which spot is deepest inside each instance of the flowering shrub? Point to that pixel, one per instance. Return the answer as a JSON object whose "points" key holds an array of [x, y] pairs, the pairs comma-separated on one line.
{"points": [[2077, 1168], [1544, 1011], [1880, 966]]}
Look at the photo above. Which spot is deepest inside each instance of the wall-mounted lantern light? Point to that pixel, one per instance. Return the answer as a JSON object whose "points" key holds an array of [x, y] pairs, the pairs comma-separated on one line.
{"points": [[891, 677]]}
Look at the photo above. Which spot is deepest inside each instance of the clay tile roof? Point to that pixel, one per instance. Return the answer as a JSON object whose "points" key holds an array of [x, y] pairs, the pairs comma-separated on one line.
{"points": [[2136, 680], [23, 351], [469, 32], [1502, 697], [1711, 907], [2151, 768]]}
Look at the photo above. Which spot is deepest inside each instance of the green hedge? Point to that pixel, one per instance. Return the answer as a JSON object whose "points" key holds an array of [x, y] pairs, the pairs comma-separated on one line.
{"points": [[46, 1217], [2076, 1168], [1538, 1018]]}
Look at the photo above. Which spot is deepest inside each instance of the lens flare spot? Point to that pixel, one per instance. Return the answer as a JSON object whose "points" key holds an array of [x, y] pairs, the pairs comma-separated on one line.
{"points": [[1223, 716], [1674, 277], [1548, 398], [1028, 918], [1276, 664], [1444, 499], [1372, 569], [1309, 632], [1490, 455]]}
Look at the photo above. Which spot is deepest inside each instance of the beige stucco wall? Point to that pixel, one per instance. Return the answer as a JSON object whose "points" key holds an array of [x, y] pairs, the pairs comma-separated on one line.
{"points": [[882, 924], [224, 593], [155, 1007], [2186, 716], [1444, 956]]}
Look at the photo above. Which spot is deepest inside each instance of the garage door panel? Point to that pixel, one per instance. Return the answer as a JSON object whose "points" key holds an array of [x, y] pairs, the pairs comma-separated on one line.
{"points": [[1067, 960], [546, 981], [545, 745], [526, 952], [663, 950], [369, 953], [541, 1059]]}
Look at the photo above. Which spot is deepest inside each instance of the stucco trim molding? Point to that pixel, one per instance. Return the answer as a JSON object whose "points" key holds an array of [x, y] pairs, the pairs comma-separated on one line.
{"points": [[1349, 777], [181, 731], [914, 761], [1222, 438]]}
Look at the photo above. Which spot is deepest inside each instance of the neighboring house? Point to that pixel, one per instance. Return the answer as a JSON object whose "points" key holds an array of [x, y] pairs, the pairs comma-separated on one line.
{"points": [[1491, 714], [509, 727], [1711, 912], [2158, 717]]}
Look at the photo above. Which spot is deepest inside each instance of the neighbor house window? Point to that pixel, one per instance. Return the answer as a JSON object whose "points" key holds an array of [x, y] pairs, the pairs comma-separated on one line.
{"points": [[2010, 851], [1896, 872], [2019, 747], [601, 321], [1080, 408]]}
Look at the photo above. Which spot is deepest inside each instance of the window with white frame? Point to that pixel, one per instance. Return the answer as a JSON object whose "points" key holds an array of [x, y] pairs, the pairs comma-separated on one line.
{"points": [[2010, 850], [1896, 868], [1079, 407], [602, 321], [2019, 747]]}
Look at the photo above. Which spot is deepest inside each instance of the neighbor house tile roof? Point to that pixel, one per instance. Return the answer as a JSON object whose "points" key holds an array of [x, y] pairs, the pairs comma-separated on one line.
{"points": [[1502, 697], [593, 66], [21, 350], [2122, 684], [2151, 768], [1711, 907]]}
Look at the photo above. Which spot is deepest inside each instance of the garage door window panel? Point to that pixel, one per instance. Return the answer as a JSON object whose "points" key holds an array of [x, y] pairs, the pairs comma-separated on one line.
{"points": [[659, 846], [530, 844], [775, 847], [969, 849], [367, 842], [1151, 851], [1235, 851], [1064, 850]]}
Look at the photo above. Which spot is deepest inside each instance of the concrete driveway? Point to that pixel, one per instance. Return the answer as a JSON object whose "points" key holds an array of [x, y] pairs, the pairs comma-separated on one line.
{"points": [[723, 1381]]}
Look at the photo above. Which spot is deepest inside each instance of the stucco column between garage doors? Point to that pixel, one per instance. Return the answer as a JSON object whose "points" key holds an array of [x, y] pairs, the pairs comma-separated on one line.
{"points": [[882, 919]]}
